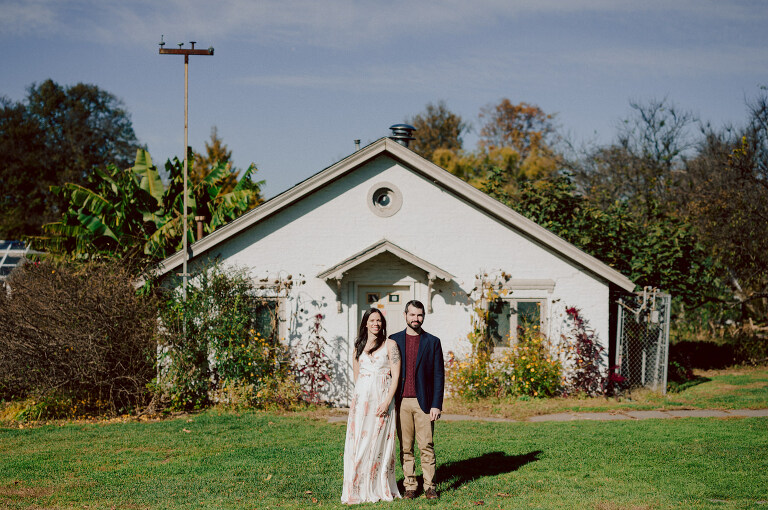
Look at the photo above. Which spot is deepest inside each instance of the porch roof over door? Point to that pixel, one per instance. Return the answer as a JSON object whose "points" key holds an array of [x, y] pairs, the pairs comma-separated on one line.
{"points": [[337, 271]]}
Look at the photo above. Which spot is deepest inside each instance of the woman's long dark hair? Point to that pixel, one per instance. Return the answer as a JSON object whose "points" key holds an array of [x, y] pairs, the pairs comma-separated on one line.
{"points": [[362, 334]]}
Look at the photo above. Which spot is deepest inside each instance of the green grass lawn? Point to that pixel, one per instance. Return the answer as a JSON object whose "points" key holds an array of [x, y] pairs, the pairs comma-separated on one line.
{"points": [[735, 388], [259, 460]]}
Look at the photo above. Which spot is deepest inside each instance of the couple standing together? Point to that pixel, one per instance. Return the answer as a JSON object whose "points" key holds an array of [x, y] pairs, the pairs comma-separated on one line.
{"points": [[398, 387]]}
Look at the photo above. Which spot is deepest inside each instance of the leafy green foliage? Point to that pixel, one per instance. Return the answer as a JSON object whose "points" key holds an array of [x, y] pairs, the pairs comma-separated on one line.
{"points": [[131, 214], [214, 340], [663, 253], [529, 369], [532, 367], [57, 135], [473, 377]]}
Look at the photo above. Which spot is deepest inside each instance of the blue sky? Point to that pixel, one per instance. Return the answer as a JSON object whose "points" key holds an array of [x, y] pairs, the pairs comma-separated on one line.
{"points": [[293, 83]]}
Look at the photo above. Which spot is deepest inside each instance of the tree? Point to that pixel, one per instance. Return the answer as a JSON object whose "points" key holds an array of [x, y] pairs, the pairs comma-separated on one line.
{"points": [[475, 167], [726, 199], [523, 127], [525, 130], [23, 186], [641, 166], [216, 155], [59, 134], [664, 254], [215, 152], [437, 128]]}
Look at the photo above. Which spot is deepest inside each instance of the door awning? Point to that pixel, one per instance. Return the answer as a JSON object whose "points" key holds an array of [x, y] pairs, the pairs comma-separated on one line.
{"points": [[337, 272]]}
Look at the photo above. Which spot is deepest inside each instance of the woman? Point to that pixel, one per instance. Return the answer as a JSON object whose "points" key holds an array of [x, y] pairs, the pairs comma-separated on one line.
{"points": [[369, 451]]}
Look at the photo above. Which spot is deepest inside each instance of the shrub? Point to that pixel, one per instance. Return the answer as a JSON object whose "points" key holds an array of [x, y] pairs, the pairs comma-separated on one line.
{"points": [[701, 354], [530, 368], [76, 333], [223, 337], [281, 392], [585, 361], [472, 378], [750, 345], [585, 357], [311, 364]]}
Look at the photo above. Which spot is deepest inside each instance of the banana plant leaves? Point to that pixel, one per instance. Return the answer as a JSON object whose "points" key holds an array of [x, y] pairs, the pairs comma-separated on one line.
{"points": [[132, 213]]}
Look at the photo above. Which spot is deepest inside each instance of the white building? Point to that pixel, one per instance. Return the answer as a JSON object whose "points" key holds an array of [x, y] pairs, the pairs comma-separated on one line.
{"points": [[384, 226]]}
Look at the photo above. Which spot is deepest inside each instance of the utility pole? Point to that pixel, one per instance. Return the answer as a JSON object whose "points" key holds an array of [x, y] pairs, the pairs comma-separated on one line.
{"points": [[186, 53]]}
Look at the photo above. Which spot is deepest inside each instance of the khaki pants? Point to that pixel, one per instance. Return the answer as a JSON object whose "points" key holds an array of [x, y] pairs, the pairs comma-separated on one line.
{"points": [[413, 422]]}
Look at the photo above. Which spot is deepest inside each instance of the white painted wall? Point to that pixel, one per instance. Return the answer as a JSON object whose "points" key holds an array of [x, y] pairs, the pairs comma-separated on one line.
{"points": [[335, 222]]}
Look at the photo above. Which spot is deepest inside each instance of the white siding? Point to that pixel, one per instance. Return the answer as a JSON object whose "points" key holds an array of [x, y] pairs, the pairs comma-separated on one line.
{"points": [[335, 222]]}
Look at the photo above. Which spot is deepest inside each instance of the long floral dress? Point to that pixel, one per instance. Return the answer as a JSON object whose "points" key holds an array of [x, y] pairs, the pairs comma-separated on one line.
{"points": [[369, 450]]}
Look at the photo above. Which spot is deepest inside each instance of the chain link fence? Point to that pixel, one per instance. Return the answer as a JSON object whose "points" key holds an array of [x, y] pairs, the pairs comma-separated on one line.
{"points": [[643, 339]]}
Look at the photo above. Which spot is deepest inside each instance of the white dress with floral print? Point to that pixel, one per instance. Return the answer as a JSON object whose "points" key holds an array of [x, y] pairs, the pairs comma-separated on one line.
{"points": [[369, 451]]}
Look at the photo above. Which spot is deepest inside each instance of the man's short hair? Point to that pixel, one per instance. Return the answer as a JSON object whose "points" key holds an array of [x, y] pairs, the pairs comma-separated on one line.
{"points": [[414, 303]]}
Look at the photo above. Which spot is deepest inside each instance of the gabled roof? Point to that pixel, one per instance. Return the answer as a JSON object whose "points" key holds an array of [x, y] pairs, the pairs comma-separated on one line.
{"points": [[337, 272], [421, 166]]}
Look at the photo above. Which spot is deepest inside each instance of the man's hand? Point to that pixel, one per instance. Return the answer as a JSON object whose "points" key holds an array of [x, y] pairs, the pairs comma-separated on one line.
{"points": [[434, 414]]}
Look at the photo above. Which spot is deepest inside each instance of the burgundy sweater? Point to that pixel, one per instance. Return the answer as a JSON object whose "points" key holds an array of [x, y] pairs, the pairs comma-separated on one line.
{"points": [[411, 352]]}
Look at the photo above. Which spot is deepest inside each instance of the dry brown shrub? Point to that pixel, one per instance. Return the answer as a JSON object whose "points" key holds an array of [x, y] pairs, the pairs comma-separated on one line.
{"points": [[79, 331]]}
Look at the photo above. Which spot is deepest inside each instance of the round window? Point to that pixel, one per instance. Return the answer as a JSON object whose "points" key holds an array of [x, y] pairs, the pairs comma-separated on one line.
{"points": [[384, 199]]}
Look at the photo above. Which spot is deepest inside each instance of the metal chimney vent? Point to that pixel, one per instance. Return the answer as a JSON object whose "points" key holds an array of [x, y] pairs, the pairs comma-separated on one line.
{"points": [[402, 134]]}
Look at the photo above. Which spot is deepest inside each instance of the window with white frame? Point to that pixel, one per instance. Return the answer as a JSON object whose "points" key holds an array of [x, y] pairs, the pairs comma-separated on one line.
{"points": [[264, 317], [511, 317]]}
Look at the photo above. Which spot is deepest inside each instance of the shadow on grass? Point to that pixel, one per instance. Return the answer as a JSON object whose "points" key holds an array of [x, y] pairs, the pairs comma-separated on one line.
{"points": [[455, 474], [677, 386]]}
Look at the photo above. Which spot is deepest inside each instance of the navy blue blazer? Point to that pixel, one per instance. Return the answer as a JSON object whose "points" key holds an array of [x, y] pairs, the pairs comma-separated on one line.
{"points": [[430, 371]]}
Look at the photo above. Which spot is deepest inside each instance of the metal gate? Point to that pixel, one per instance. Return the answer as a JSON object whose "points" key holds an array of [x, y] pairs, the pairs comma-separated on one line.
{"points": [[642, 350]]}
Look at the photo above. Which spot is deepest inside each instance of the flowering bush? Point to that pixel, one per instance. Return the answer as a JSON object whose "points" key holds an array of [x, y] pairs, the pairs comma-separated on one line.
{"points": [[472, 378], [279, 392], [530, 368], [250, 360], [210, 349]]}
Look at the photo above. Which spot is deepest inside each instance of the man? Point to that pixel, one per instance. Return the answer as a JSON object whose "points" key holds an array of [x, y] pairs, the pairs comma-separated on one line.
{"points": [[419, 398]]}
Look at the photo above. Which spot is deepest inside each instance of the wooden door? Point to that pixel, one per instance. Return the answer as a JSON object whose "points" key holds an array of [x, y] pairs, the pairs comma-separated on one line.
{"points": [[389, 299]]}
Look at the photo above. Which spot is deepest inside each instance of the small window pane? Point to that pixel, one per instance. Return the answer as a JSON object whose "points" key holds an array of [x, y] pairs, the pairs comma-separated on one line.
{"points": [[528, 315], [264, 318], [498, 322]]}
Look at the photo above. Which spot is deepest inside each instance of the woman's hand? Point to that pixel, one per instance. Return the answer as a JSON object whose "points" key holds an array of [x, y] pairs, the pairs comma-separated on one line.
{"points": [[383, 408]]}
